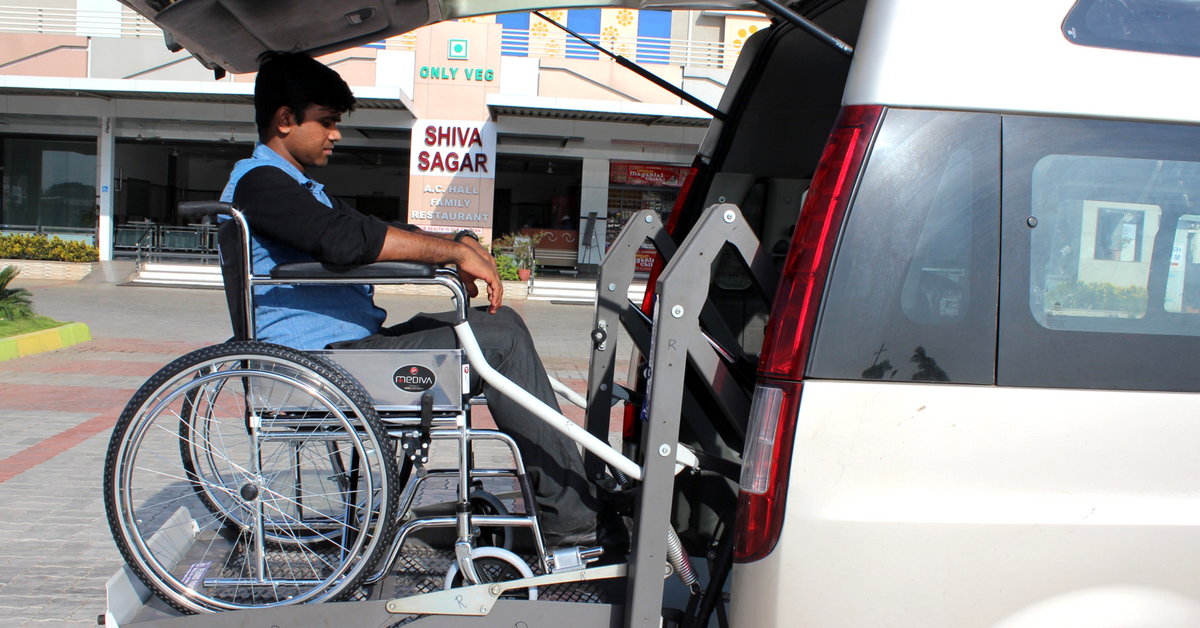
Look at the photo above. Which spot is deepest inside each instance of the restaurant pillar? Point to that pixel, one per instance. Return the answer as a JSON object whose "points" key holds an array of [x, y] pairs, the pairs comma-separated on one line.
{"points": [[452, 171], [106, 149]]}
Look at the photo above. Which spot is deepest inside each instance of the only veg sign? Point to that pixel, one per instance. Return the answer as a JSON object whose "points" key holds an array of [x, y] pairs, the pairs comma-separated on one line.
{"points": [[452, 174]]}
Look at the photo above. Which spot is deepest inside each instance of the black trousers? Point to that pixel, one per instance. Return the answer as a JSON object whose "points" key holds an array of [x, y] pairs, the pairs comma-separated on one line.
{"points": [[565, 497]]}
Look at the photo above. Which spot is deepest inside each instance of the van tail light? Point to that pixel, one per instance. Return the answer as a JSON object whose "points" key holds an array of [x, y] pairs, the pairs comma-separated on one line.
{"points": [[770, 432], [766, 463], [794, 313]]}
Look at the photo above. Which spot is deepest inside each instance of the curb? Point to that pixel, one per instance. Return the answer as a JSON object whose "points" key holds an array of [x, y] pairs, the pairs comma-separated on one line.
{"points": [[44, 340], [45, 269]]}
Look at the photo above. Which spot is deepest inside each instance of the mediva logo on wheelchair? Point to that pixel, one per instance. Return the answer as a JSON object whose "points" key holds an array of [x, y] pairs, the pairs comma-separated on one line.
{"points": [[414, 378]]}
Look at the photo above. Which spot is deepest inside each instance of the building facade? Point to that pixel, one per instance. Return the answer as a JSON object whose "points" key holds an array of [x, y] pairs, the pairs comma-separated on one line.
{"points": [[498, 124]]}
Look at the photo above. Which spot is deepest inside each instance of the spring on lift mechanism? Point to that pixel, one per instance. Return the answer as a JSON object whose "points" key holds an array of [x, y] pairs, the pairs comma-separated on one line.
{"points": [[679, 560]]}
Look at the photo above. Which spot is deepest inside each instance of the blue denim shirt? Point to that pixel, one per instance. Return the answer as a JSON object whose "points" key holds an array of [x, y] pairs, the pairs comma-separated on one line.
{"points": [[302, 317]]}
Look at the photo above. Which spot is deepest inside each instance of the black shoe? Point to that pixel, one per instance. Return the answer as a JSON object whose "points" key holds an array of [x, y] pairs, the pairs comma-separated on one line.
{"points": [[614, 532]]}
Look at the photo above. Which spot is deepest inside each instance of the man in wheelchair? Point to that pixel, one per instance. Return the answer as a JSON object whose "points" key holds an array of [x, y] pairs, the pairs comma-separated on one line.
{"points": [[298, 104]]}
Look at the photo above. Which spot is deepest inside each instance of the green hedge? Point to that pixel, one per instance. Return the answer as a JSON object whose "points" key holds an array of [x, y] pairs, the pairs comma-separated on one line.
{"points": [[507, 268], [38, 246]]}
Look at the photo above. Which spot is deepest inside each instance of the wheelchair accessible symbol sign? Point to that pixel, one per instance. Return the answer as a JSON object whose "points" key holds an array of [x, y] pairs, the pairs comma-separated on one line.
{"points": [[414, 378]]}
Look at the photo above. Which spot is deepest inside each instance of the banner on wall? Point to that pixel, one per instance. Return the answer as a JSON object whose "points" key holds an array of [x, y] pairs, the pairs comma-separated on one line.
{"points": [[647, 174]]}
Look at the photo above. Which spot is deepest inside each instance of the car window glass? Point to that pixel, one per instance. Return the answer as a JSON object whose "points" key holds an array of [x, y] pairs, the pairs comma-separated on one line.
{"points": [[1100, 286], [1166, 26], [938, 287], [912, 292], [1091, 254], [1183, 277]]}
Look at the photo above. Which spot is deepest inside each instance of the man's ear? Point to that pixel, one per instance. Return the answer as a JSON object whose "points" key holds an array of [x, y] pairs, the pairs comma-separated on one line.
{"points": [[283, 120]]}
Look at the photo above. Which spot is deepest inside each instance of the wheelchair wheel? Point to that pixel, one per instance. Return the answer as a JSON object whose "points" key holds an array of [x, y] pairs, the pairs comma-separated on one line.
{"points": [[249, 475], [484, 503]]}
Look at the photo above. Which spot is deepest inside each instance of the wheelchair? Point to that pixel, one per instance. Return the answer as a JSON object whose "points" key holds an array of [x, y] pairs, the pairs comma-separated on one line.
{"points": [[250, 475]]}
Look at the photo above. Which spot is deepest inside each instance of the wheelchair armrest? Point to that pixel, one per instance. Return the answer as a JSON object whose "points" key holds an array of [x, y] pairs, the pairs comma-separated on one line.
{"points": [[378, 270], [199, 209]]}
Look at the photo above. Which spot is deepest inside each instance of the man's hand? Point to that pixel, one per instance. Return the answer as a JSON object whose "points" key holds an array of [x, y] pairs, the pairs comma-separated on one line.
{"points": [[474, 265], [474, 245], [473, 261]]}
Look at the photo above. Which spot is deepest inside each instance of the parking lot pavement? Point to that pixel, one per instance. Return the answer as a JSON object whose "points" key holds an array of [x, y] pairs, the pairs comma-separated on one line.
{"points": [[57, 410]]}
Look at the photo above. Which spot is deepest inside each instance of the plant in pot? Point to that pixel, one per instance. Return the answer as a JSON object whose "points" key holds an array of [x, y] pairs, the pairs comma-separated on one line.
{"points": [[523, 248]]}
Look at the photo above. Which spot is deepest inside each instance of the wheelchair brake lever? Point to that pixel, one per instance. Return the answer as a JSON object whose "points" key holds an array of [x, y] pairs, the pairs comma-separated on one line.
{"points": [[416, 443]]}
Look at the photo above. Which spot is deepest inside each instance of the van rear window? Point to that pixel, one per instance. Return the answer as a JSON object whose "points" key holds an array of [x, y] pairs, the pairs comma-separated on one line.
{"points": [[912, 294], [1166, 26], [1100, 271]]}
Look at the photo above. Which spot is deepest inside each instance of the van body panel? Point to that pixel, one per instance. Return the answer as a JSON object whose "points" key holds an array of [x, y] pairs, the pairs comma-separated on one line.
{"points": [[935, 505], [1008, 57]]}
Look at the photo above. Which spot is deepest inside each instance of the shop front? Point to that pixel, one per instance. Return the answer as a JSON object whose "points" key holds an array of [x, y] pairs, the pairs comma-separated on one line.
{"points": [[633, 187]]}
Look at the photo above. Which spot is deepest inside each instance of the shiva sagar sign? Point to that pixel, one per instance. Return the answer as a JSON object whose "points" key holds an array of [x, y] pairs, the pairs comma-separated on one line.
{"points": [[453, 148]]}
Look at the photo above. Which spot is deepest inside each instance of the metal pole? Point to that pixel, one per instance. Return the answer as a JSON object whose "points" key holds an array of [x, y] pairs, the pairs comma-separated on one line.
{"points": [[807, 25], [640, 71]]}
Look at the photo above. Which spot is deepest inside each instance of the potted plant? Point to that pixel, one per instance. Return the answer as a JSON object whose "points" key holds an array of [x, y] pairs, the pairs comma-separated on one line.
{"points": [[523, 248]]}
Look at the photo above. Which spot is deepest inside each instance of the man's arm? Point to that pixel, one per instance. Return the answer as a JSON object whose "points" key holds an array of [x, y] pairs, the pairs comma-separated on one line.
{"points": [[428, 248], [280, 209]]}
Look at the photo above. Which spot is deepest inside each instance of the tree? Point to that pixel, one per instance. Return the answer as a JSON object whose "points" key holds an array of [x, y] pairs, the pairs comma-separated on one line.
{"points": [[14, 302]]}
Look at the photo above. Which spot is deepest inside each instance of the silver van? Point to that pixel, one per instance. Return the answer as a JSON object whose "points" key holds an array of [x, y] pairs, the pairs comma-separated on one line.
{"points": [[970, 388]]}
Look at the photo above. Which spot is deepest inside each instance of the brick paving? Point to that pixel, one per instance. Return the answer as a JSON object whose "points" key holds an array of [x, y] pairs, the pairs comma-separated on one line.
{"points": [[57, 410]]}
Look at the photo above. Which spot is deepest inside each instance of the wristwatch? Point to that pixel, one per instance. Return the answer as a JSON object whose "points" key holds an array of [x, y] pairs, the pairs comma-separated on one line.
{"points": [[465, 233]]}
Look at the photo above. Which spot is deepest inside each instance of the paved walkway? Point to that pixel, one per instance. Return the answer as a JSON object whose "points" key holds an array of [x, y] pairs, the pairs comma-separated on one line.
{"points": [[57, 410]]}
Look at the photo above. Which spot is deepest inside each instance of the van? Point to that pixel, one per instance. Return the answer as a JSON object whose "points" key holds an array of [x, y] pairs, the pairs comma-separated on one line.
{"points": [[969, 392]]}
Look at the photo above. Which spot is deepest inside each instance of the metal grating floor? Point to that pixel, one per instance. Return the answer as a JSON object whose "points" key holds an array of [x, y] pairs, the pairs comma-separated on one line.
{"points": [[422, 570]]}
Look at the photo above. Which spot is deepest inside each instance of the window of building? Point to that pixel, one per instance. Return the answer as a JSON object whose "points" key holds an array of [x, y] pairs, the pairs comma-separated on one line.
{"points": [[49, 183], [1097, 285], [654, 34], [912, 294]]}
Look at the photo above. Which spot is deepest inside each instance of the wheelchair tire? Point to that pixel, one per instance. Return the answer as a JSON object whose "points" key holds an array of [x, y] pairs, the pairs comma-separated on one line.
{"points": [[250, 475], [484, 503]]}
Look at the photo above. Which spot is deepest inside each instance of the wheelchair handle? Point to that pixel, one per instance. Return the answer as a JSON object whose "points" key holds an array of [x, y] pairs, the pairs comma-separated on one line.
{"points": [[199, 209]]}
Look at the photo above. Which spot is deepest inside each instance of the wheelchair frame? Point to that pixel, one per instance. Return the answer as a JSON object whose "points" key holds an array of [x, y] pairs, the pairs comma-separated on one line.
{"points": [[680, 335]]}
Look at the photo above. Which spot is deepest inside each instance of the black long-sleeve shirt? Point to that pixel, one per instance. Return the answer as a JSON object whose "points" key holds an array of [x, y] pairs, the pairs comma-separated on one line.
{"points": [[281, 209]]}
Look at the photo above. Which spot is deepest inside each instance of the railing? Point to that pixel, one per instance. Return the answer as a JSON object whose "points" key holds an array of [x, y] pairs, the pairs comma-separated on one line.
{"points": [[151, 242], [80, 234], [656, 50], [52, 21]]}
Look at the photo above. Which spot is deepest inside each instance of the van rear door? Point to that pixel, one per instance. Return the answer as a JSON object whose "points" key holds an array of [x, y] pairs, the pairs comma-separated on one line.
{"points": [[231, 34]]}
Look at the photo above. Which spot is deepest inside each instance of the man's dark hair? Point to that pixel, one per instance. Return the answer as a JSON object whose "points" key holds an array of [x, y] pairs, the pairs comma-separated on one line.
{"points": [[296, 81]]}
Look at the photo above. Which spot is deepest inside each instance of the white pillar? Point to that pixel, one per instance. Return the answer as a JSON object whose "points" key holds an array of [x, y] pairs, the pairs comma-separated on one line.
{"points": [[106, 149], [593, 197]]}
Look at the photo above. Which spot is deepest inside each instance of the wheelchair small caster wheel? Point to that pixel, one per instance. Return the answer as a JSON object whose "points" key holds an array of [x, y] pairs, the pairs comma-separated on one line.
{"points": [[495, 564]]}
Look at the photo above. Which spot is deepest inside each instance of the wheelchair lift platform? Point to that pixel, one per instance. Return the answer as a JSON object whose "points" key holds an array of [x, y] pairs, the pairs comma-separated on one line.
{"points": [[685, 335]]}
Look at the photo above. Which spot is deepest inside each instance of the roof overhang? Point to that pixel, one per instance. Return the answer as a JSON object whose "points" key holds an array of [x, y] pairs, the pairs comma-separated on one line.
{"points": [[214, 92], [596, 111]]}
